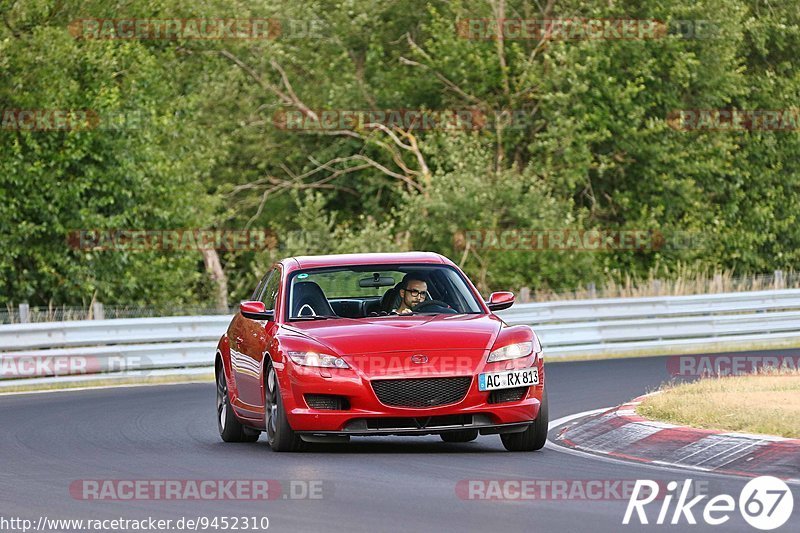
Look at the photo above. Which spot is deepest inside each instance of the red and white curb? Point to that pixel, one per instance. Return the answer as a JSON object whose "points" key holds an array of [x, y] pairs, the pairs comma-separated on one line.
{"points": [[622, 434]]}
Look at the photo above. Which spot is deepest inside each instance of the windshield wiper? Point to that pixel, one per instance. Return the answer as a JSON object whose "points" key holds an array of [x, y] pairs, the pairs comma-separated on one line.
{"points": [[314, 317]]}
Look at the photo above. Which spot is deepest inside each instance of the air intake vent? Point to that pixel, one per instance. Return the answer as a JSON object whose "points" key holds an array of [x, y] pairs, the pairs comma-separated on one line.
{"points": [[508, 395], [327, 401]]}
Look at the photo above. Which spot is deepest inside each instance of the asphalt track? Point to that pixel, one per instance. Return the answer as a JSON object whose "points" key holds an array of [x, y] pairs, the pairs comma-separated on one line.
{"points": [[48, 441]]}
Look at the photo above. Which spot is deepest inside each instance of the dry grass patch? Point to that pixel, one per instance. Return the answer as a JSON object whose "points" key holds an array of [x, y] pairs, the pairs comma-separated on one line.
{"points": [[767, 404]]}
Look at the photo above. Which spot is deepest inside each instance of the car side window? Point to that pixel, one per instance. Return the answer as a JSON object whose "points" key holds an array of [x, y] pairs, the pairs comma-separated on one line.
{"points": [[270, 293]]}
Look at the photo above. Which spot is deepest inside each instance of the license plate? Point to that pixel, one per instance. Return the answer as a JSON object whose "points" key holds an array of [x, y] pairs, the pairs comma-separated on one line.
{"points": [[509, 379]]}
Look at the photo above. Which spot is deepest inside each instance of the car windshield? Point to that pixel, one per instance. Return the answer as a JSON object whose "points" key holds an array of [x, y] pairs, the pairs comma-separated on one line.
{"points": [[370, 291]]}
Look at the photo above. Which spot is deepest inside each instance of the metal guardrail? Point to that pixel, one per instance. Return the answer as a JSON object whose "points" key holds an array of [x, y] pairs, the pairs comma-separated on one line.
{"points": [[660, 306], [115, 331], [565, 328]]}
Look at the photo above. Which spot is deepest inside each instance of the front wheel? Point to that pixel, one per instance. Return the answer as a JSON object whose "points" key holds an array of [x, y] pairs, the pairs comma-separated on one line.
{"points": [[280, 435], [534, 437], [230, 429]]}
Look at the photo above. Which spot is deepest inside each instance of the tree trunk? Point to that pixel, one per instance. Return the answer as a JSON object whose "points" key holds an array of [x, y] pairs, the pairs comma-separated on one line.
{"points": [[214, 269]]}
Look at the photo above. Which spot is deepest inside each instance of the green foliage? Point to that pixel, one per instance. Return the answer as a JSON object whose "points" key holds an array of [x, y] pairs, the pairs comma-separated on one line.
{"points": [[594, 151], [144, 171]]}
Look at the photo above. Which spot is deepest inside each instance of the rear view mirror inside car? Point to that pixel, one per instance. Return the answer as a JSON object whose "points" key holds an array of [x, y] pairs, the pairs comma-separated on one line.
{"points": [[376, 281]]}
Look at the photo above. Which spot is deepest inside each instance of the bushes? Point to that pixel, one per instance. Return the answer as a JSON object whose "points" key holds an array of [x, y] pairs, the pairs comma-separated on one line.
{"points": [[590, 148]]}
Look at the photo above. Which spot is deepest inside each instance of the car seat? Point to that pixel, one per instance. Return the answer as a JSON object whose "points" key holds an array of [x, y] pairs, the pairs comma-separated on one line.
{"points": [[309, 300]]}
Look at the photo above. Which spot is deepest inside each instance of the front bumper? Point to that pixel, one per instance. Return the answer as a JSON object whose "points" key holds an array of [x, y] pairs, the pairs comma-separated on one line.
{"points": [[360, 427], [368, 416]]}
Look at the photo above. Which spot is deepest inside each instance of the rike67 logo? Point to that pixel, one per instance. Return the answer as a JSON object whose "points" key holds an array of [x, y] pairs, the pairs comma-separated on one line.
{"points": [[765, 503]]}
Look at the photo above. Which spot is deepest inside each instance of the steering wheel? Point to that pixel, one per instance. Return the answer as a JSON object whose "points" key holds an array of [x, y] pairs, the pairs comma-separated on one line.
{"points": [[420, 308]]}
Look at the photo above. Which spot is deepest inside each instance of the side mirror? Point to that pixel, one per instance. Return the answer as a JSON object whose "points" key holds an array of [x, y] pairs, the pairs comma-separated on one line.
{"points": [[255, 311], [500, 300]]}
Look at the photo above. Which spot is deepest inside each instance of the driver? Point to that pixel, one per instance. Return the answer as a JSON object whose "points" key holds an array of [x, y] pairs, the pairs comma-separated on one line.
{"points": [[414, 292]]}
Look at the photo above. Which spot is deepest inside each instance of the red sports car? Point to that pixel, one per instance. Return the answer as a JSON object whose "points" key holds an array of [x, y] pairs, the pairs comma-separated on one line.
{"points": [[377, 344]]}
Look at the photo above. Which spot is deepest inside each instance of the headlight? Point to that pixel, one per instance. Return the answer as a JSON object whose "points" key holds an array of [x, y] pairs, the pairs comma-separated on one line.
{"points": [[317, 359], [512, 351]]}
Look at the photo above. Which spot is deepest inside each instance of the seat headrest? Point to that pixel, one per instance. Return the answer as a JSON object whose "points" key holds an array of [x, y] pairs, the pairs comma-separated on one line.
{"points": [[391, 298], [309, 299]]}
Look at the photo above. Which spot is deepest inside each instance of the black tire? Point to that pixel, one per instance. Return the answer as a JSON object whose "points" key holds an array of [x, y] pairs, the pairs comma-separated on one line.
{"points": [[230, 429], [534, 437], [280, 435], [460, 435]]}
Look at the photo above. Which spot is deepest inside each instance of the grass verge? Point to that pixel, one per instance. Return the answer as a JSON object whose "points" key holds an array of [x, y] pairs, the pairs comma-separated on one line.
{"points": [[767, 404]]}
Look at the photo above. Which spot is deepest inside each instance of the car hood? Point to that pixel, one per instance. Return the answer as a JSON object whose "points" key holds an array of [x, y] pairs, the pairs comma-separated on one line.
{"points": [[392, 333]]}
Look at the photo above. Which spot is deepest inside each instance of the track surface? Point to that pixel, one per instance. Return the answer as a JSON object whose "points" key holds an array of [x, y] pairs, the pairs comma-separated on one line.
{"points": [[378, 484]]}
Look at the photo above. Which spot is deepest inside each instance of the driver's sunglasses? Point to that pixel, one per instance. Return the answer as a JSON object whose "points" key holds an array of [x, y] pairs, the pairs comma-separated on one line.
{"points": [[415, 293]]}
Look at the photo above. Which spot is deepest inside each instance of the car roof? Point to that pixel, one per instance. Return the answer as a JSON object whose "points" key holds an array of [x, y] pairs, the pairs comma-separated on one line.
{"points": [[321, 261]]}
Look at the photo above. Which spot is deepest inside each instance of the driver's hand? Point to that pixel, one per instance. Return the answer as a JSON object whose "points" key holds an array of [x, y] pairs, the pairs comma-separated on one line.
{"points": [[405, 312]]}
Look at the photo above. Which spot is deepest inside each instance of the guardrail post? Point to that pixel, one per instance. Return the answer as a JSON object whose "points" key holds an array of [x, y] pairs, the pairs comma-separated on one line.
{"points": [[24, 313], [524, 294], [657, 287], [98, 313], [779, 284], [592, 290]]}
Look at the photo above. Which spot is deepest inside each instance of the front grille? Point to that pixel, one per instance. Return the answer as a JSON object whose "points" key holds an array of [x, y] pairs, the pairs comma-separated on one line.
{"points": [[327, 401], [507, 395], [427, 392]]}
